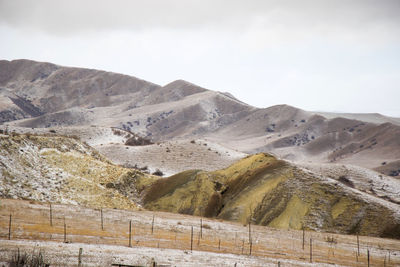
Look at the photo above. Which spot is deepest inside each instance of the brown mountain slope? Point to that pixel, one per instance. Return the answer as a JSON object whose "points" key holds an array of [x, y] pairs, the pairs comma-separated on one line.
{"points": [[300, 136], [47, 95]]}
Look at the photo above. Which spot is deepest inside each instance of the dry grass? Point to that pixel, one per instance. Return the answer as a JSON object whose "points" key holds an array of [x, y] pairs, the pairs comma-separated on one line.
{"points": [[31, 221]]}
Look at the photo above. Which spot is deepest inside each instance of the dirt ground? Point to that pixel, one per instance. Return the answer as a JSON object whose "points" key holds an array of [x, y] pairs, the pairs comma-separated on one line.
{"points": [[168, 241]]}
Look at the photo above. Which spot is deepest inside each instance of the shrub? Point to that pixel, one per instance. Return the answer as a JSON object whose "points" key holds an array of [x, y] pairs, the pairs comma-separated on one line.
{"points": [[331, 239], [138, 141], [143, 168], [206, 226], [32, 260], [158, 173], [346, 181]]}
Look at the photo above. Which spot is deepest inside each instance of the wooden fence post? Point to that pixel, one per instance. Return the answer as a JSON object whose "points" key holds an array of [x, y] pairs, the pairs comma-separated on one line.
{"points": [[191, 240], [201, 228], [249, 232], [303, 237], [65, 232], [310, 249], [219, 244], [358, 246], [368, 256], [102, 222], [9, 229], [152, 225], [51, 216], [130, 233], [80, 257]]}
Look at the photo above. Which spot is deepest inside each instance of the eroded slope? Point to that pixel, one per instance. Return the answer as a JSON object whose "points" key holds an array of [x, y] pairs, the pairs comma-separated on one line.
{"points": [[264, 190], [64, 170]]}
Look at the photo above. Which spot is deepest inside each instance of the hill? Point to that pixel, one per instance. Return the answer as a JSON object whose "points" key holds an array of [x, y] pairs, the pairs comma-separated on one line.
{"points": [[260, 189], [44, 95]]}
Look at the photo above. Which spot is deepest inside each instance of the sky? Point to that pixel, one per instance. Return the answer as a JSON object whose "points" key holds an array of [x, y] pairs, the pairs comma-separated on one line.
{"points": [[318, 55]]}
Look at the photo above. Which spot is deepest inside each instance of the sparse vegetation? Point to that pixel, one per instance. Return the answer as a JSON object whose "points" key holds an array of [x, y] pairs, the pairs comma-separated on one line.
{"points": [[331, 239], [138, 141], [346, 181], [158, 173], [28, 259]]}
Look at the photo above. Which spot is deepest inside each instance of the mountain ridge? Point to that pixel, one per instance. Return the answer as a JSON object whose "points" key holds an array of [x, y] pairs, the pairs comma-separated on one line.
{"points": [[34, 94]]}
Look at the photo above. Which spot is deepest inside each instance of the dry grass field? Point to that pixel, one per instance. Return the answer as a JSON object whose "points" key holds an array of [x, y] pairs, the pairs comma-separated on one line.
{"points": [[169, 240]]}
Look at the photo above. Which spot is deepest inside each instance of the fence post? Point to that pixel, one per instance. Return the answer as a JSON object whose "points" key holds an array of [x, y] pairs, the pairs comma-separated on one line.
{"points": [[201, 228], [51, 216], [130, 233], [80, 257], [65, 232], [9, 229], [310, 249], [368, 256], [249, 232], [219, 244], [102, 223], [191, 240], [358, 246], [152, 225], [303, 237]]}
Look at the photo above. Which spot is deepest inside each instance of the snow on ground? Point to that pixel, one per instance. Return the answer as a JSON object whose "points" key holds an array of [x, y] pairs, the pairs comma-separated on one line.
{"points": [[371, 185], [173, 156], [61, 254], [31, 231]]}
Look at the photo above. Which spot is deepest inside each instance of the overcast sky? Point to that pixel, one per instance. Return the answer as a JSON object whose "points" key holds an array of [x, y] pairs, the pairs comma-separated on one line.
{"points": [[340, 55]]}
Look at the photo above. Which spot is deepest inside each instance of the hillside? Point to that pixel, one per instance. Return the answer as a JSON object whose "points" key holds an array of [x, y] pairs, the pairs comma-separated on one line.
{"points": [[62, 169], [264, 190], [258, 188], [48, 95], [302, 136], [44, 95]]}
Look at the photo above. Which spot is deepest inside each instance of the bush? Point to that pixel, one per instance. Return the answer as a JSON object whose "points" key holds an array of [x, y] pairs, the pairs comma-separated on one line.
{"points": [[206, 226], [138, 141], [143, 168], [343, 179], [158, 173], [32, 260], [331, 239]]}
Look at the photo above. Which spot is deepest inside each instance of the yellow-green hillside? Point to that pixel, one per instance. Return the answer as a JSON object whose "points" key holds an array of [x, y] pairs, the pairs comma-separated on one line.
{"points": [[64, 170], [264, 190]]}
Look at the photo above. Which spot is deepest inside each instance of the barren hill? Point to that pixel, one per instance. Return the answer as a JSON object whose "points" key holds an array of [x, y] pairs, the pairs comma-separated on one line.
{"points": [[42, 95]]}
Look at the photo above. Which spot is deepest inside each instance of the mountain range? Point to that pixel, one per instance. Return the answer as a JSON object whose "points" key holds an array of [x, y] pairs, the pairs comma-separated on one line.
{"points": [[42, 95]]}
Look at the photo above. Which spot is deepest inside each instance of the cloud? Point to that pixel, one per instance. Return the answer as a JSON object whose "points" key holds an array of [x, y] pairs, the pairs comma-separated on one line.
{"points": [[71, 16]]}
